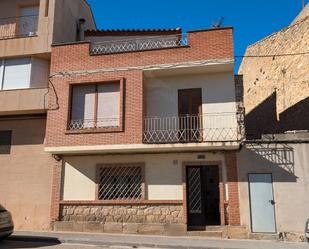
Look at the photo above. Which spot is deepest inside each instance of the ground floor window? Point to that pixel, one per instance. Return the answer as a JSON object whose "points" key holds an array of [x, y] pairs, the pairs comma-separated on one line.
{"points": [[5, 142], [120, 182]]}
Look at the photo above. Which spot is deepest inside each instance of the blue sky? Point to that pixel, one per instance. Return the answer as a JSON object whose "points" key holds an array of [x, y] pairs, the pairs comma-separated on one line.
{"points": [[251, 19]]}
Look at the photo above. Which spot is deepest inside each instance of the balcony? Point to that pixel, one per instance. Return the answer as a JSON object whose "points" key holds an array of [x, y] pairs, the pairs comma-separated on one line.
{"points": [[209, 127], [138, 44], [23, 101], [15, 27]]}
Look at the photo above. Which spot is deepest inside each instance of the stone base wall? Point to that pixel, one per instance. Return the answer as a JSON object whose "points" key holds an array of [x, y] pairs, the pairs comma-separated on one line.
{"points": [[159, 214]]}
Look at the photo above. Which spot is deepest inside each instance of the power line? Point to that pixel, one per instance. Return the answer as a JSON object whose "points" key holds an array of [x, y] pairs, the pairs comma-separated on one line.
{"points": [[270, 55], [167, 66]]}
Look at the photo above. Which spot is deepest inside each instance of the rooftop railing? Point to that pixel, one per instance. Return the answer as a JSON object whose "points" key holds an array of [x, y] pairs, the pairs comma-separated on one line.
{"points": [[208, 127], [138, 44], [23, 26]]}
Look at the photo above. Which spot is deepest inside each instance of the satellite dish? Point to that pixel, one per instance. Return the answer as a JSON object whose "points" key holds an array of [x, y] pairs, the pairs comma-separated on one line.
{"points": [[218, 23]]}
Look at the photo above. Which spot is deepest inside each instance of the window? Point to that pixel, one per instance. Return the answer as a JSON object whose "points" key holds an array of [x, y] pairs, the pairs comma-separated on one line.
{"points": [[16, 73], [21, 73], [5, 142], [95, 106], [120, 182], [28, 22]]}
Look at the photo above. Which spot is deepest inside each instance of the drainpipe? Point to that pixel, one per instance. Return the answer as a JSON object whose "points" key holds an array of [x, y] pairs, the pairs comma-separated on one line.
{"points": [[81, 29]]}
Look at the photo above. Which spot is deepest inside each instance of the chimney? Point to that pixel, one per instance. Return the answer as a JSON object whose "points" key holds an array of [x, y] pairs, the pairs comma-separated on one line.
{"points": [[81, 29]]}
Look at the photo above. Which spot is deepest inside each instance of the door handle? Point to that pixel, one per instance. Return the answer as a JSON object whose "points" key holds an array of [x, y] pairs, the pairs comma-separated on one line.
{"points": [[272, 202]]}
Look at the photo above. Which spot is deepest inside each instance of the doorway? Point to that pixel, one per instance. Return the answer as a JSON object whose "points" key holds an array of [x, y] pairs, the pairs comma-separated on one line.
{"points": [[262, 203], [203, 196], [189, 112]]}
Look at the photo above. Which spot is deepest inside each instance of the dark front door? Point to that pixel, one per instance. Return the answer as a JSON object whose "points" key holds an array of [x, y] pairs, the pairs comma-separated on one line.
{"points": [[189, 111], [202, 196]]}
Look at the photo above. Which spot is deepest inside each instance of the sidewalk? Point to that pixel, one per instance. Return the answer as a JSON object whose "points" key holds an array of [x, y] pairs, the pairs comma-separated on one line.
{"points": [[136, 241]]}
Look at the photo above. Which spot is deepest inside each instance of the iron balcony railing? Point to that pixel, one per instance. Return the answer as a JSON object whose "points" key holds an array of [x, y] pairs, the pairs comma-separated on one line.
{"points": [[23, 26], [209, 127], [138, 44], [80, 124]]}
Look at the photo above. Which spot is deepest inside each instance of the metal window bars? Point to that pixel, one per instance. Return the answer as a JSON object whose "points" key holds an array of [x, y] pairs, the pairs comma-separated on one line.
{"points": [[195, 191], [23, 26], [138, 44], [208, 127], [79, 124], [120, 183]]}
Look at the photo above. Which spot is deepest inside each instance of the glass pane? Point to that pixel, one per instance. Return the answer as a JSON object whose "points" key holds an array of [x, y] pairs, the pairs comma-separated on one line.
{"points": [[28, 22]]}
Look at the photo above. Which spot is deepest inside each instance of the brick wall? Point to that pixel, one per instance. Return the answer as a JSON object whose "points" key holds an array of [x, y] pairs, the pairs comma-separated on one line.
{"points": [[203, 45], [232, 179]]}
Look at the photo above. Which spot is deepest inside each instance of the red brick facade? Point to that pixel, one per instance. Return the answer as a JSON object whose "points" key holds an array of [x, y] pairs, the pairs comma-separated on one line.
{"points": [[232, 180], [203, 45]]}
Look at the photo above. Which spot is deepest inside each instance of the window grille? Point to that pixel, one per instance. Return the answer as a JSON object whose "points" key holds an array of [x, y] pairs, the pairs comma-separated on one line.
{"points": [[120, 182]]}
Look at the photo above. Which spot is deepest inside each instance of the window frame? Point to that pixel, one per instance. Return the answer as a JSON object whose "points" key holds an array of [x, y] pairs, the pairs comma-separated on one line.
{"points": [[33, 64], [102, 129], [143, 185]]}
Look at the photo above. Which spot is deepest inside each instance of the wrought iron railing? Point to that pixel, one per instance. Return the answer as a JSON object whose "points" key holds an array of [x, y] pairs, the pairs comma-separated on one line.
{"points": [[209, 127], [79, 124], [138, 44], [22, 26]]}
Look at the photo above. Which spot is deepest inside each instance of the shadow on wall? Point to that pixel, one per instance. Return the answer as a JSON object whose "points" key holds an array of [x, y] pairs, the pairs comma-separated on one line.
{"points": [[28, 131], [277, 159], [263, 118]]}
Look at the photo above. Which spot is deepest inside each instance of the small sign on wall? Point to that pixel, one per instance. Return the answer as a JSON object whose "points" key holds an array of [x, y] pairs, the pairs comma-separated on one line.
{"points": [[201, 156]]}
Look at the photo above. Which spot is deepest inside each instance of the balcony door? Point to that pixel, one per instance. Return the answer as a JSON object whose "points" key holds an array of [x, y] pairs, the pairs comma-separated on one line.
{"points": [[190, 114], [28, 21]]}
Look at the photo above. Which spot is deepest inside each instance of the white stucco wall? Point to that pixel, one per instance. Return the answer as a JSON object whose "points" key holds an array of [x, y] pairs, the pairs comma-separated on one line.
{"points": [[163, 176], [218, 93], [289, 167], [218, 100]]}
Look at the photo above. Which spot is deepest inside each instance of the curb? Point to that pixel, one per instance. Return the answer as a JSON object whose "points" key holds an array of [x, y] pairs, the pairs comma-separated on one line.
{"points": [[55, 240]]}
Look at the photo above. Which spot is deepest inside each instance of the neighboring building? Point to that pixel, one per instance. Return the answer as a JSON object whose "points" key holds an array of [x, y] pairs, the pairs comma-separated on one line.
{"points": [[276, 88], [273, 167], [27, 30], [146, 126]]}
